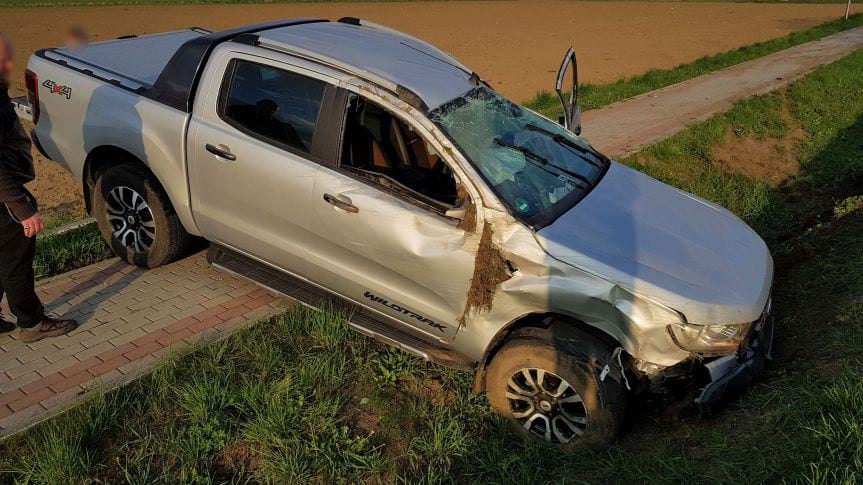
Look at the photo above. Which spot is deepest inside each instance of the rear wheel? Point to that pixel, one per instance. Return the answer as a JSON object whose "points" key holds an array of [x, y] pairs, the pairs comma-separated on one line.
{"points": [[548, 385], [136, 218]]}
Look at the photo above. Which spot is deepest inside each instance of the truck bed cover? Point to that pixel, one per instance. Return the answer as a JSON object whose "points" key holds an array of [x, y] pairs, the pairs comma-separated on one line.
{"points": [[137, 59], [163, 67]]}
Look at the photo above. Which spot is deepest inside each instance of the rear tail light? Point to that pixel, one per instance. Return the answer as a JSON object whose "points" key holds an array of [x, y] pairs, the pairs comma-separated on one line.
{"points": [[31, 80]]}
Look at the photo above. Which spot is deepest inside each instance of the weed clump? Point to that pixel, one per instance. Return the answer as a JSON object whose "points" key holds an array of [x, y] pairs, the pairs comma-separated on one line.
{"points": [[468, 221], [490, 270]]}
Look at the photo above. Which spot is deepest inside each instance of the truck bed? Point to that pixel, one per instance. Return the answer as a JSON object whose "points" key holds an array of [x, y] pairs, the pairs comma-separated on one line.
{"points": [[135, 62]]}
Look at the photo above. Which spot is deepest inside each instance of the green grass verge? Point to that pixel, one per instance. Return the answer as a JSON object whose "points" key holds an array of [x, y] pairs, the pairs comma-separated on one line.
{"points": [[594, 96], [59, 253], [301, 399]]}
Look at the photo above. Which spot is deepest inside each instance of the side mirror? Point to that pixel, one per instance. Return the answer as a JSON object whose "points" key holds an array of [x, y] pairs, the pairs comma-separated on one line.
{"points": [[571, 119]]}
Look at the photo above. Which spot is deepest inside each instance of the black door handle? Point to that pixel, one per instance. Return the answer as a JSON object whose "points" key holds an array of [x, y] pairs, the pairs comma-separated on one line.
{"points": [[341, 204], [220, 153]]}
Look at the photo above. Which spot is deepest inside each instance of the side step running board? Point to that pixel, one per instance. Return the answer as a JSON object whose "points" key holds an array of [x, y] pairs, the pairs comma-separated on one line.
{"points": [[360, 318]]}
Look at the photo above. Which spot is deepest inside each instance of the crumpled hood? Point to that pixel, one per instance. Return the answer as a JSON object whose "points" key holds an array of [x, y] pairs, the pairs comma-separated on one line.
{"points": [[667, 245]]}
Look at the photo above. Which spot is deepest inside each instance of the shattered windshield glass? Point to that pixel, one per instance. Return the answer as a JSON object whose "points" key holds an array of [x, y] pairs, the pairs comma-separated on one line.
{"points": [[536, 166]]}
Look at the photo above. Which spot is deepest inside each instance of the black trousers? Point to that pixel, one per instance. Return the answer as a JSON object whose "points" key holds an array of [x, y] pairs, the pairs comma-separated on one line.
{"points": [[16, 271]]}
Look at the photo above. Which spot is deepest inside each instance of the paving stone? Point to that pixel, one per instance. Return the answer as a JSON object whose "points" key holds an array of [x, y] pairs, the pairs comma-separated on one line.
{"points": [[9, 396], [19, 381], [143, 350], [95, 350], [31, 399], [22, 369], [73, 381], [72, 349], [58, 366]]}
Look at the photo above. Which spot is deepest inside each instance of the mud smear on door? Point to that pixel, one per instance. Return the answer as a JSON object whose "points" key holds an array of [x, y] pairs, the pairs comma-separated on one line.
{"points": [[490, 270]]}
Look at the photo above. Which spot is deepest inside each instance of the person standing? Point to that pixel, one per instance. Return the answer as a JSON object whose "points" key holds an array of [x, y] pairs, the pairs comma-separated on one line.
{"points": [[20, 221]]}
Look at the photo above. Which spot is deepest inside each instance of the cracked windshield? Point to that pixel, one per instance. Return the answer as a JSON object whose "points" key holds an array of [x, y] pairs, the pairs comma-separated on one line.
{"points": [[536, 166]]}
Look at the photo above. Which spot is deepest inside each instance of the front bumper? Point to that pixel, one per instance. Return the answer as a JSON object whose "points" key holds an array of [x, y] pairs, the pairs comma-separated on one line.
{"points": [[732, 374]]}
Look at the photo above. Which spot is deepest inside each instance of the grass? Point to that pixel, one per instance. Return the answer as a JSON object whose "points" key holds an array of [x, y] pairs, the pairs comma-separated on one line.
{"points": [[59, 253], [302, 399]]}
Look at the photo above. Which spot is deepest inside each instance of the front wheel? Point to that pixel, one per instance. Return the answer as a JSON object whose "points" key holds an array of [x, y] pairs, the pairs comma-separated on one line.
{"points": [[136, 218], [549, 386]]}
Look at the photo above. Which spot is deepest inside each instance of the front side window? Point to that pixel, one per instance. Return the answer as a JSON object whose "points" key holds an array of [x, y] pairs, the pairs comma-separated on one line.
{"points": [[272, 103], [383, 148], [537, 167]]}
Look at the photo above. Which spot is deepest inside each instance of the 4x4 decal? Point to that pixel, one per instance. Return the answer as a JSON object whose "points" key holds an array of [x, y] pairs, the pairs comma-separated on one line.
{"points": [[401, 309], [58, 88]]}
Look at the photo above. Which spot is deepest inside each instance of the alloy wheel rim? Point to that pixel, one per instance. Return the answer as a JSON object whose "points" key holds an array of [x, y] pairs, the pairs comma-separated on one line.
{"points": [[546, 405], [131, 219]]}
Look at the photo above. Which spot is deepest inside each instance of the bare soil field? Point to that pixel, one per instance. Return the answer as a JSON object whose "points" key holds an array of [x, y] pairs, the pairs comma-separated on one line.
{"points": [[514, 45]]}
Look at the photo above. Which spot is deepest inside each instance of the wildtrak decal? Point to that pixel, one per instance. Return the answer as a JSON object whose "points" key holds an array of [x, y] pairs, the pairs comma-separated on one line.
{"points": [[58, 88], [382, 301]]}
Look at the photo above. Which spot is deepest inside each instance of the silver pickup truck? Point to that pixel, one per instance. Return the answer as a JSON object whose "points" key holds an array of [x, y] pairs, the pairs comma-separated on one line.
{"points": [[345, 162]]}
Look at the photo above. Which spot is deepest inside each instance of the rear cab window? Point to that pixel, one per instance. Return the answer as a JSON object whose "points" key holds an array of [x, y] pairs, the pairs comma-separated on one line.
{"points": [[272, 104]]}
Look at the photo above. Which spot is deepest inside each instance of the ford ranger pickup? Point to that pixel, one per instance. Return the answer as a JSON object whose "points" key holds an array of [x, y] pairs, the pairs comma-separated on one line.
{"points": [[342, 162]]}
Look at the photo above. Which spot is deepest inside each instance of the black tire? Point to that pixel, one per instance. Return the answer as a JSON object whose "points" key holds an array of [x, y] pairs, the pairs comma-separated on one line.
{"points": [[567, 354], [169, 239]]}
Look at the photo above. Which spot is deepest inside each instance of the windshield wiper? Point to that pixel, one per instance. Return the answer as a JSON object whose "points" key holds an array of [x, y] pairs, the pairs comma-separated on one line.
{"points": [[562, 140], [540, 161]]}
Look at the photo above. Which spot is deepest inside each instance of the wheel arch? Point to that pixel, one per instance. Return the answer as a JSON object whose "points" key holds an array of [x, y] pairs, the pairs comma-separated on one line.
{"points": [[522, 327], [104, 157]]}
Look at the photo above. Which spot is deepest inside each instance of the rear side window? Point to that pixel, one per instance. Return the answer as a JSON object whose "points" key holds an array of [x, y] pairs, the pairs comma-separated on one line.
{"points": [[280, 106]]}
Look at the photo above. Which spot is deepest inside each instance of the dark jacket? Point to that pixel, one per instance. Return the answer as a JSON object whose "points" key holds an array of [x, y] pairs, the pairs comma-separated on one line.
{"points": [[16, 162]]}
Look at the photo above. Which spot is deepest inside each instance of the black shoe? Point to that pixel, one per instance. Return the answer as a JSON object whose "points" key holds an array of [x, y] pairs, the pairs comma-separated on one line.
{"points": [[6, 326], [49, 327]]}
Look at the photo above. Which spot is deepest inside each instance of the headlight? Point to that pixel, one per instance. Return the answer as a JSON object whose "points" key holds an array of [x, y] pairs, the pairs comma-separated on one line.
{"points": [[709, 339]]}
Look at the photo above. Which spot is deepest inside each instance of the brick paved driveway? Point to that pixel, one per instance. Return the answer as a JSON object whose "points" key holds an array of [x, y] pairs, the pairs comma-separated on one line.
{"points": [[129, 318]]}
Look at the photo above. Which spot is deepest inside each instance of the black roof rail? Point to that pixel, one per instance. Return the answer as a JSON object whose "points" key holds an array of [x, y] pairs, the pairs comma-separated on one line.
{"points": [[350, 20]]}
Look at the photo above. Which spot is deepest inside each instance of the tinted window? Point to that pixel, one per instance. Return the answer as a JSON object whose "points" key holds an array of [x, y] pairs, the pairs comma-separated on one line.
{"points": [[279, 105]]}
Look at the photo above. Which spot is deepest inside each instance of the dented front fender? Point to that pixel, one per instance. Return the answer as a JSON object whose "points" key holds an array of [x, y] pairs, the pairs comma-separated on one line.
{"points": [[540, 284]]}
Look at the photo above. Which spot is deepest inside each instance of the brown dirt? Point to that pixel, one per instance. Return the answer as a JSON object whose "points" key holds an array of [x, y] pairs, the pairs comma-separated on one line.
{"points": [[515, 45], [237, 455], [367, 421], [771, 160], [431, 390]]}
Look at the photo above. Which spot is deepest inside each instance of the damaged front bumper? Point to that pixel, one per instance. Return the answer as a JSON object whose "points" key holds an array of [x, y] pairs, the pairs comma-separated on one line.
{"points": [[732, 374]]}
